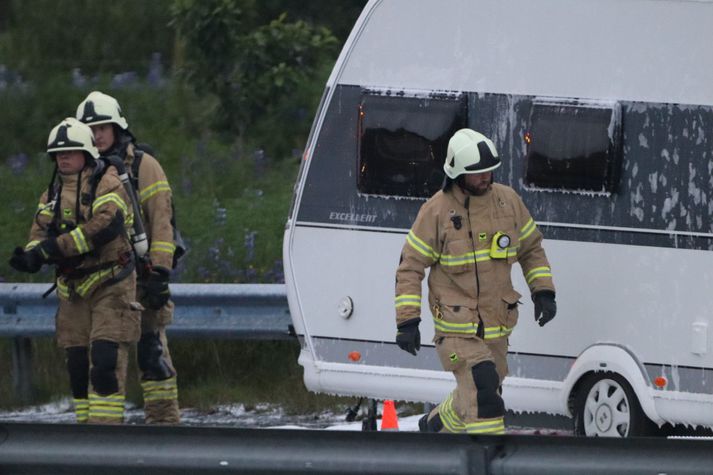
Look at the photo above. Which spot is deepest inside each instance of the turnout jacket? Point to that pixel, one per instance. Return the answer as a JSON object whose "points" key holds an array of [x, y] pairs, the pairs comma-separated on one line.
{"points": [[91, 236], [154, 195], [470, 244]]}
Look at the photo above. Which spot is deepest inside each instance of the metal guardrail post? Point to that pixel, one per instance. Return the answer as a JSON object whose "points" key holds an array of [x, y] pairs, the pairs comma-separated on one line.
{"points": [[22, 369]]}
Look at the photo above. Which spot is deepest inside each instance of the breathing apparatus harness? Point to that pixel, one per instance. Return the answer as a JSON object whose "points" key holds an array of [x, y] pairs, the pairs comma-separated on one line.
{"points": [[139, 150], [69, 267]]}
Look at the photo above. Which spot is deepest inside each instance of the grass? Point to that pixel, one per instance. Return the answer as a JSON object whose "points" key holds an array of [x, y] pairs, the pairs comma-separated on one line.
{"points": [[211, 373]]}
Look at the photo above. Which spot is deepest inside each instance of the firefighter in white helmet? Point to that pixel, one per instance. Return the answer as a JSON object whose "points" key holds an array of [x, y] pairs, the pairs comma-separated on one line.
{"points": [[80, 228], [113, 138], [470, 234]]}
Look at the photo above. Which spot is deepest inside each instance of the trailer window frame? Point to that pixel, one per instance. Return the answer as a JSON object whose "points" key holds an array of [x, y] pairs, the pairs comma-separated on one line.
{"points": [[573, 145], [402, 138]]}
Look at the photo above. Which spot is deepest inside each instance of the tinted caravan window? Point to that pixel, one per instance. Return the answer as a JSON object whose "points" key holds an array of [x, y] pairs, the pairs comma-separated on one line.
{"points": [[403, 141], [573, 146]]}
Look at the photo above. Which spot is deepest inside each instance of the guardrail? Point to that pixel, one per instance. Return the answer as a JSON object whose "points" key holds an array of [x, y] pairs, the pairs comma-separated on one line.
{"points": [[144, 450], [220, 311]]}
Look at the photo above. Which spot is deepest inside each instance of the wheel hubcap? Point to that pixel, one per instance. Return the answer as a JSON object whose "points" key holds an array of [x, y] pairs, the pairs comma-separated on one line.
{"points": [[607, 410], [603, 418]]}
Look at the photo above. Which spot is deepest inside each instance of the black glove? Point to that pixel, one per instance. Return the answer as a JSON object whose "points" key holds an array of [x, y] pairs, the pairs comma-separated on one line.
{"points": [[27, 261], [545, 306], [155, 288], [408, 337]]}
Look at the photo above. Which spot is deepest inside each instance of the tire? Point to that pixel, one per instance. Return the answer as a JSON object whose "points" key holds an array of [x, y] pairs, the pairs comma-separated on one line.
{"points": [[606, 406]]}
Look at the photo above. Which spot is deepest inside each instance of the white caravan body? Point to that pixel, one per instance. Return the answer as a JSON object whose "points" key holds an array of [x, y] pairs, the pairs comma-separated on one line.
{"points": [[602, 111]]}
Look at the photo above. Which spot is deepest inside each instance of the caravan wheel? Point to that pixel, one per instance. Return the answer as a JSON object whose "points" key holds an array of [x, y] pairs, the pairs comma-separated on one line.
{"points": [[606, 406]]}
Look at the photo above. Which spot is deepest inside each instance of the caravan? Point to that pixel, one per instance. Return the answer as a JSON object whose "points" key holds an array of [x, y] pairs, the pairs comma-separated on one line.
{"points": [[602, 111]]}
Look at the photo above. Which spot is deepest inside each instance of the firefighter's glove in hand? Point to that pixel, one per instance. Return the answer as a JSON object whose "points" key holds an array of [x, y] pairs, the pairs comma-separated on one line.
{"points": [[155, 288], [27, 261], [408, 337], [545, 306]]}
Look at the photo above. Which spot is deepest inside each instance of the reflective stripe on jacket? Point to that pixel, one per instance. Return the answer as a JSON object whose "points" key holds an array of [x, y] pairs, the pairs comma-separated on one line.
{"points": [[155, 199]]}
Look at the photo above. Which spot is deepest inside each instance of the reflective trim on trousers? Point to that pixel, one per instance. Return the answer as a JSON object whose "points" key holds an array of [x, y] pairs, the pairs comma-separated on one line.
{"points": [[491, 333], [453, 423], [106, 407], [160, 390], [81, 410]]}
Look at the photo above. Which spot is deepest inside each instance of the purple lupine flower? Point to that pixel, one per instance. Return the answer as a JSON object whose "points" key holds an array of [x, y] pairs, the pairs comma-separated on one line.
{"points": [[17, 163], [155, 74], [250, 245]]}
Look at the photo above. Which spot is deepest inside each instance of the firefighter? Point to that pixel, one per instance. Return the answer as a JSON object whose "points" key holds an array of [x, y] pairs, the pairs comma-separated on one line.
{"points": [[470, 234], [158, 375], [79, 227]]}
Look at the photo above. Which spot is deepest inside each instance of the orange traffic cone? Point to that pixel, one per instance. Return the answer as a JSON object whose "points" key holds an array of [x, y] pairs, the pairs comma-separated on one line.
{"points": [[389, 419]]}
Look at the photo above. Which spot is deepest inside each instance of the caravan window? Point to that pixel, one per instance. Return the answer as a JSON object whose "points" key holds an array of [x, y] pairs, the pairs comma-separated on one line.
{"points": [[573, 146], [403, 140]]}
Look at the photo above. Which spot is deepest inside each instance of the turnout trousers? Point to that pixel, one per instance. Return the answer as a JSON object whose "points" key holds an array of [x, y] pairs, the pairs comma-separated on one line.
{"points": [[475, 405], [158, 375], [96, 332]]}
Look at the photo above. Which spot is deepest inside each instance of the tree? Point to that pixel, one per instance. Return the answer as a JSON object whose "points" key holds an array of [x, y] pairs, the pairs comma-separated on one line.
{"points": [[258, 72], [46, 37]]}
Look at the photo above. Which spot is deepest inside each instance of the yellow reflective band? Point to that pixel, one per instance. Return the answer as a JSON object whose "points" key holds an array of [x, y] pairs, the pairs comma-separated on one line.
{"points": [[153, 189], [110, 198], [420, 246], [106, 414], [493, 426], [31, 244], [527, 229], [163, 246], [162, 396], [165, 383], [79, 241], [490, 333], [538, 272], [453, 423], [408, 300], [81, 409], [467, 258], [62, 289], [455, 327], [160, 390], [449, 417], [114, 398], [111, 406], [95, 278]]}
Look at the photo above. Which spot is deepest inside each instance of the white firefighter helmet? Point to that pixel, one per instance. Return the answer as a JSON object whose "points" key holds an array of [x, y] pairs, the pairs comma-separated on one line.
{"points": [[99, 108], [71, 134], [470, 152]]}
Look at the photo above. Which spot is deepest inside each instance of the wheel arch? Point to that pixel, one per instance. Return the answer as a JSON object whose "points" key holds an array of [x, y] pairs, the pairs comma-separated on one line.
{"points": [[613, 358]]}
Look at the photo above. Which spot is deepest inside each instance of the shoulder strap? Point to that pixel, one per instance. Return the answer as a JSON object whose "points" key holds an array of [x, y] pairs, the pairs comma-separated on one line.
{"points": [[102, 164], [138, 155]]}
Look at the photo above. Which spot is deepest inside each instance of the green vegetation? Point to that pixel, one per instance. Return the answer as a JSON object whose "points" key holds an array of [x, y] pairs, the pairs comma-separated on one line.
{"points": [[225, 92], [211, 373], [231, 199]]}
